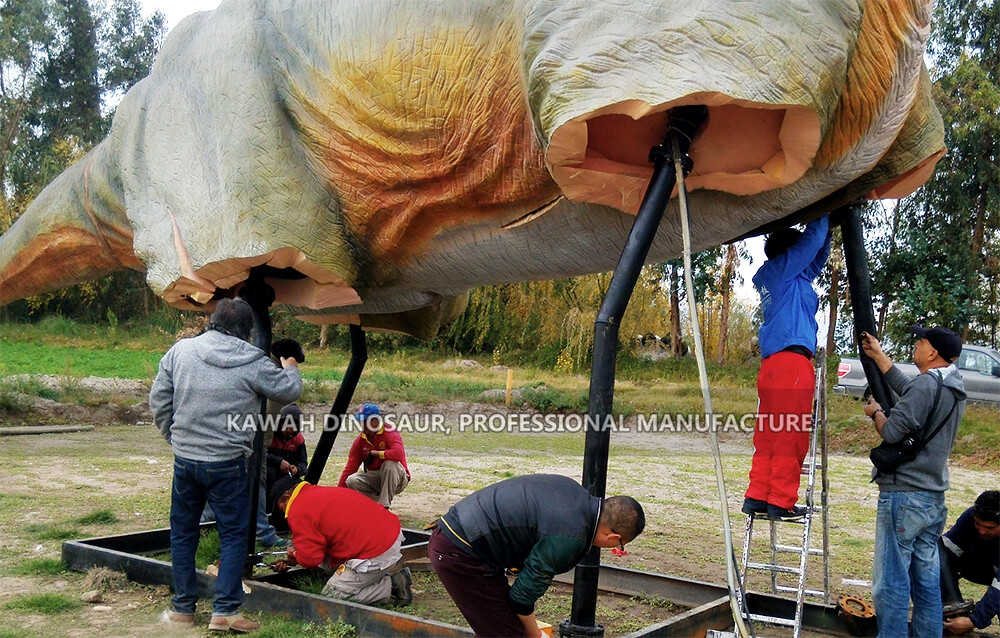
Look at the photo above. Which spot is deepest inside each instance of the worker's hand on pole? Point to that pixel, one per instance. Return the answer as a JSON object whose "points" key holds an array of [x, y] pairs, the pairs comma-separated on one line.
{"points": [[872, 407], [872, 348]]}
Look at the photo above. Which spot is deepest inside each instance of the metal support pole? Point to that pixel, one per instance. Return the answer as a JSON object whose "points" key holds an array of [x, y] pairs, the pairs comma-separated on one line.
{"points": [[860, 284], [259, 296], [331, 425], [684, 122]]}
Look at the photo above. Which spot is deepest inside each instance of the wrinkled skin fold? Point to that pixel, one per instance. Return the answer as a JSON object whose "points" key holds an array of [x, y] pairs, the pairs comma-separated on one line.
{"points": [[396, 154]]}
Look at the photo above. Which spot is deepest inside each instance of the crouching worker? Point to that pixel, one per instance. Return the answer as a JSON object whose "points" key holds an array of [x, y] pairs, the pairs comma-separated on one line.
{"points": [[348, 534], [971, 550], [380, 448], [541, 524]]}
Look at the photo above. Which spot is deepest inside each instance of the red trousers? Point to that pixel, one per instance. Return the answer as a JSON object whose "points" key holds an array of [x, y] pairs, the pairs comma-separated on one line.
{"points": [[785, 387]]}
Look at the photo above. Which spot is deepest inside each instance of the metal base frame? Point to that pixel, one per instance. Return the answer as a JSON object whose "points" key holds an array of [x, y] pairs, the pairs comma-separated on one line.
{"points": [[709, 602]]}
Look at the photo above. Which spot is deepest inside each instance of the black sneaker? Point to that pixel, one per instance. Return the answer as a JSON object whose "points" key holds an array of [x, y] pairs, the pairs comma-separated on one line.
{"points": [[776, 513], [402, 587], [754, 506]]}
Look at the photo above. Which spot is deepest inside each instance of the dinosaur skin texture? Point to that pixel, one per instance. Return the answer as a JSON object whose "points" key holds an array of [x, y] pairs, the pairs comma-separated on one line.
{"points": [[396, 154]]}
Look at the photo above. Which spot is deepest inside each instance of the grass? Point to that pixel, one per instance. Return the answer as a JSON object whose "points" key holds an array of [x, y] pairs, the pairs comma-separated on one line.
{"points": [[209, 548], [309, 581], [100, 517], [40, 567], [53, 532], [47, 604], [275, 627]]}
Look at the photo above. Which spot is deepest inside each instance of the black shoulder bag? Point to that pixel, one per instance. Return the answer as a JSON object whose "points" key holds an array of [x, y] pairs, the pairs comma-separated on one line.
{"points": [[887, 457]]}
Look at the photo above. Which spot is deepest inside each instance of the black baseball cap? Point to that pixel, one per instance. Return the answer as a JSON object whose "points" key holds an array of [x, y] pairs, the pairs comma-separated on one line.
{"points": [[947, 343]]}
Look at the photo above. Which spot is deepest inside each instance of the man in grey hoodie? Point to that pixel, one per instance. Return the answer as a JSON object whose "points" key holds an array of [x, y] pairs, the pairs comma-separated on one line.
{"points": [[203, 399], [911, 510]]}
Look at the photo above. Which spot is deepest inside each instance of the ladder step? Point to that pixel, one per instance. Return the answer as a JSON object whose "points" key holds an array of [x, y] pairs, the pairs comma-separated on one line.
{"points": [[792, 549], [784, 569], [795, 590], [773, 620]]}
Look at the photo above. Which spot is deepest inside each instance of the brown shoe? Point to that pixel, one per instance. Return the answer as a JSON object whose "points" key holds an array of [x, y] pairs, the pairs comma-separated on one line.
{"points": [[236, 623], [171, 617]]}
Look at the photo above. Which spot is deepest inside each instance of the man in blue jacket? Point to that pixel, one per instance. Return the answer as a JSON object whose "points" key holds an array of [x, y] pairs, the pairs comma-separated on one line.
{"points": [[786, 379], [971, 550], [540, 524]]}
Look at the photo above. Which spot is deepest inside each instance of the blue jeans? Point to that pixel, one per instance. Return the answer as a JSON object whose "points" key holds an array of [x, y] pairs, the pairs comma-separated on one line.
{"points": [[224, 485], [265, 531], [907, 528]]}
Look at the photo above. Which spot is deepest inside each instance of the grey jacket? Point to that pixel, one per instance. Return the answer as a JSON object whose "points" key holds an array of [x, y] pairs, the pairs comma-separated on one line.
{"points": [[929, 470], [205, 389]]}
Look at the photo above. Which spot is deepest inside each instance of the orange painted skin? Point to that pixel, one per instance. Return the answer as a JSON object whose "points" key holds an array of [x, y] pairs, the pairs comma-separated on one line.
{"points": [[470, 153]]}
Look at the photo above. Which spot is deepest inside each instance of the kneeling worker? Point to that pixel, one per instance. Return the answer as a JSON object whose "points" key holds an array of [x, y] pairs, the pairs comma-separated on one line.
{"points": [[342, 530], [971, 550], [542, 524]]}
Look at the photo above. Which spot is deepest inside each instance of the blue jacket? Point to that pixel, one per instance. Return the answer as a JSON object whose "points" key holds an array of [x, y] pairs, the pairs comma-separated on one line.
{"points": [[787, 298], [963, 541]]}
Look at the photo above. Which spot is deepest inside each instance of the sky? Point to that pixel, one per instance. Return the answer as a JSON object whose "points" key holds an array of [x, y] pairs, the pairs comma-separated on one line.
{"points": [[175, 10]]}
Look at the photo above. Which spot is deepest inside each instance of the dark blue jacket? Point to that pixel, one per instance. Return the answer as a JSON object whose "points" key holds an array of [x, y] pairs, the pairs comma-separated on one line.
{"points": [[542, 524], [787, 298], [963, 541]]}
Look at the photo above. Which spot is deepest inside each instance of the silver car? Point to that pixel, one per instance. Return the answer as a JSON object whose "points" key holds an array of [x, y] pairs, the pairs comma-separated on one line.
{"points": [[979, 365]]}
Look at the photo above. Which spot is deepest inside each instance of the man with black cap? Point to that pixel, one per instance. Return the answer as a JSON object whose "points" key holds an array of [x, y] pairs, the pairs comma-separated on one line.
{"points": [[971, 550], [911, 510]]}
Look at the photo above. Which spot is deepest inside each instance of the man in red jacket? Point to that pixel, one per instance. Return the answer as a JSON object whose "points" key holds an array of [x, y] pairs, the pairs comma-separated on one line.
{"points": [[380, 448], [351, 535]]}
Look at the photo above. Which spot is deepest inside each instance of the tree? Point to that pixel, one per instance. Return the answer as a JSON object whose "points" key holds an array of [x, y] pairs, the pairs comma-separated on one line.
{"points": [[25, 32], [63, 64], [943, 262]]}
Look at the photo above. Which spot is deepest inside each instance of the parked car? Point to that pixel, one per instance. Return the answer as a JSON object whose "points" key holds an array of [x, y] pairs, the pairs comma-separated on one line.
{"points": [[979, 365]]}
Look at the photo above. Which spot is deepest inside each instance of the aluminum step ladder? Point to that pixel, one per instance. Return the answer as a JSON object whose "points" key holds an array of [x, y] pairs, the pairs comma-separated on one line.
{"points": [[810, 466]]}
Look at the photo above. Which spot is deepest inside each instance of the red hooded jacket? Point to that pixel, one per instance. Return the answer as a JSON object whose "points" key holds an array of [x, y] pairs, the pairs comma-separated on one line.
{"points": [[339, 524], [385, 439]]}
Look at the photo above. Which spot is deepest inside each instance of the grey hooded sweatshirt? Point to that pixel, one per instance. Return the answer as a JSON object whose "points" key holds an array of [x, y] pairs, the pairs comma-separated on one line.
{"points": [[205, 389], [916, 414]]}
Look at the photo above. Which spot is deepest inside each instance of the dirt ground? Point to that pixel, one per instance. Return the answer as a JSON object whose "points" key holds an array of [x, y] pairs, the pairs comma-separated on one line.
{"points": [[47, 482]]}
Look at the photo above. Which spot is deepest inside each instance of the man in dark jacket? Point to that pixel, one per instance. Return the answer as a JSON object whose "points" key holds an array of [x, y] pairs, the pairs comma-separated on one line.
{"points": [[786, 379], [971, 550], [911, 510], [541, 524], [287, 456], [205, 388]]}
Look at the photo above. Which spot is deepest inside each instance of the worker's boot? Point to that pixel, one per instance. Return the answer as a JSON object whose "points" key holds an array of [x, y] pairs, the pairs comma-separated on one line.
{"points": [[236, 623], [402, 587], [176, 619], [776, 513]]}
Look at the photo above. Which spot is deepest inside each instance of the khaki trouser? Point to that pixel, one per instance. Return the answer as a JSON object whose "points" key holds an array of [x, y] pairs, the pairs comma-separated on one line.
{"points": [[380, 485], [366, 580]]}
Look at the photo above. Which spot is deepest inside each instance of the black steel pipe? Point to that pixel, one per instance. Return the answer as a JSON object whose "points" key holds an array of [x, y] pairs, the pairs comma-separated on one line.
{"points": [[259, 296], [684, 121], [860, 284], [331, 425]]}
